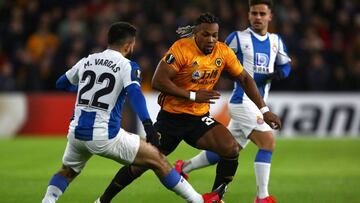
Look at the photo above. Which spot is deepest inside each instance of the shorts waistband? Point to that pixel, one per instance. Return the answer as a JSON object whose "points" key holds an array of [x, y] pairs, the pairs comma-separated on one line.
{"points": [[165, 114]]}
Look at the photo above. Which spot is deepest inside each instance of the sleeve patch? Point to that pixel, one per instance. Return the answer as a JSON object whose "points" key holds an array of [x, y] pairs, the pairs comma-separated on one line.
{"points": [[136, 75], [170, 59]]}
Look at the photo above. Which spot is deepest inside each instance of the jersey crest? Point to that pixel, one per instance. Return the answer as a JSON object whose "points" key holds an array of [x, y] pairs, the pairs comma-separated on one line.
{"points": [[218, 62]]}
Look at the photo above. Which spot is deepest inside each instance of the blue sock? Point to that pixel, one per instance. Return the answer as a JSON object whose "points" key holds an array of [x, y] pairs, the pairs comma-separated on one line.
{"points": [[171, 179], [263, 156], [212, 157], [59, 181]]}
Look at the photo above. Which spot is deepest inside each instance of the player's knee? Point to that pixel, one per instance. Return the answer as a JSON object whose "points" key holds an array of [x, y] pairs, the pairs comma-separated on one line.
{"points": [[272, 145], [68, 173], [162, 162], [235, 150], [158, 162], [268, 144], [136, 171], [232, 150]]}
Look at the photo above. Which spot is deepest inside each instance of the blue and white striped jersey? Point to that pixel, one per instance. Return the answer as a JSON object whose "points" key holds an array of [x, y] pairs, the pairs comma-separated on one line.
{"points": [[101, 79], [260, 56]]}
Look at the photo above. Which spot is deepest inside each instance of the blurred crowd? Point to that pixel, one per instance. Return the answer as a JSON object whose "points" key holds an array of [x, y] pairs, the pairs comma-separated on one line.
{"points": [[40, 40]]}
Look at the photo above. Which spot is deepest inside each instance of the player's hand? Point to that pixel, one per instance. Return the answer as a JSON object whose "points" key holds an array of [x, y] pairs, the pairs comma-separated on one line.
{"points": [[206, 96], [272, 120], [276, 75], [152, 136]]}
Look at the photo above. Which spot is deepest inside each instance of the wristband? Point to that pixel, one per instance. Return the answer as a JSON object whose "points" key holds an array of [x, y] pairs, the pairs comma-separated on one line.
{"points": [[264, 109], [192, 96], [147, 122]]}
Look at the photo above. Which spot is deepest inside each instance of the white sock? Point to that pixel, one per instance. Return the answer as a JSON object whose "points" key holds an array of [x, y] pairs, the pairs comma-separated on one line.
{"points": [[262, 173], [198, 161], [186, 191], [52, 194]]}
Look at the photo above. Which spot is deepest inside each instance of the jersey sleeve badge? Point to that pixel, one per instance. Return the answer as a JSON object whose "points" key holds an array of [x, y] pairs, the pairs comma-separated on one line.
{"points": [[274, 48], [170, 58], [136, 75]]}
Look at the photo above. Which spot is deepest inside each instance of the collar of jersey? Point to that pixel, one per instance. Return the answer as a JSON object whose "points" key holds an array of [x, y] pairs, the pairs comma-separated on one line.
{"points": [[259, 37], [112, 51]]}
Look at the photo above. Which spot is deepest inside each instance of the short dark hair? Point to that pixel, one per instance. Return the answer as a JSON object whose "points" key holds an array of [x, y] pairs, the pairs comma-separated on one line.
{"points": [[206, 18], [269, 3], [120, 32]]}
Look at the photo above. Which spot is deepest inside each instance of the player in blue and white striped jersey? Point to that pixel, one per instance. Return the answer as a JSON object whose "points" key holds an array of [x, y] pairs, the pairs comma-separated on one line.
{"points": [[264, 57], [102, 81]]}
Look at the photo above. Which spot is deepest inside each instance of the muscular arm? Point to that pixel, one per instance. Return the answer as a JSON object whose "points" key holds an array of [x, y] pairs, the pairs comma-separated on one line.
{"points": [[249, 86], [162, 81]]}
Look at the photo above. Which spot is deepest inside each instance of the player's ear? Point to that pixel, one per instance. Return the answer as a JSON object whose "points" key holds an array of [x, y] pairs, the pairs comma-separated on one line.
{"points": [[128, 46]]}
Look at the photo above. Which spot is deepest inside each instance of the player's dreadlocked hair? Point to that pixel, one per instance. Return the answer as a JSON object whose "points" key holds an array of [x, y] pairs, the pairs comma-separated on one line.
{"points": [[269, 3], [187, 31]]}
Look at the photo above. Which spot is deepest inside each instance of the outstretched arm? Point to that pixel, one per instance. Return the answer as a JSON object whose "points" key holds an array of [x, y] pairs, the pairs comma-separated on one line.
{"points": [[137, 101], [138, 104], [63, 83], [251, 90]]}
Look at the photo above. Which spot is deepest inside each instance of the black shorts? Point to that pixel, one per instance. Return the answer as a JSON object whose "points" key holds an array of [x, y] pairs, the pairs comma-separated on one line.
{"points": [[177, 127]]}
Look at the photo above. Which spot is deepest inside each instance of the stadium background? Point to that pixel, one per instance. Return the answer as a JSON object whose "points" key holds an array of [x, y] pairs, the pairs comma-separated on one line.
{"points": [[40, 40]]}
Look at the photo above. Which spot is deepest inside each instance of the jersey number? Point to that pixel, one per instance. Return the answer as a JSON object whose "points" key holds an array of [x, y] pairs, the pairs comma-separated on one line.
{"points": [[104, 91], [207, 120]]}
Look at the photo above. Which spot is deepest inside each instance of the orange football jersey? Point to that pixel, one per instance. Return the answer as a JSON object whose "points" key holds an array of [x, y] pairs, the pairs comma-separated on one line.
{"points": [[195, 71]]}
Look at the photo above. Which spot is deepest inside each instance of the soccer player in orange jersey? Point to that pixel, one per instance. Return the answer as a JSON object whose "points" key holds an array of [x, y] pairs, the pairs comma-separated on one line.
{"points": [[186, 77], [263, 55]]}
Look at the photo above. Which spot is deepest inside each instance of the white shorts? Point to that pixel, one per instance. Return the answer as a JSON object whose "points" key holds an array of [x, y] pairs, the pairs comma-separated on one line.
{"points": [[122, 148], [245, 118]]}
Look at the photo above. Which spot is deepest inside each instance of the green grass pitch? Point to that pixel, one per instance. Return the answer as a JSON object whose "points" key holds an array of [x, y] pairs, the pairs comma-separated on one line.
{"points": [[303, 171]]}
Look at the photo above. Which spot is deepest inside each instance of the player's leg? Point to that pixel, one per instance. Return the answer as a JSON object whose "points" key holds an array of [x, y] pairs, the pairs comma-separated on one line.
{"points": [[266, 143], [204, 132], [148, 156], [203, 159], [128, 173], [206, 158], [247, 123], [218, 139], [73, 162], [124, 177], [58, 183], [172, 180]]}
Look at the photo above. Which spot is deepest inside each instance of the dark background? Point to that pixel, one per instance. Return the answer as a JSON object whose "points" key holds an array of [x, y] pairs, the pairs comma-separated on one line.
{"points": [[40, 40]]}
